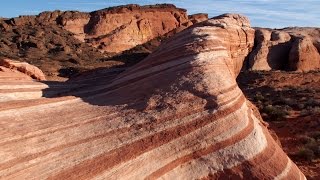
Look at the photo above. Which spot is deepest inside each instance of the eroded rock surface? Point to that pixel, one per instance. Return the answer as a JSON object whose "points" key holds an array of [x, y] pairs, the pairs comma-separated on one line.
{"points": [[304, 56], [122, 28], [293, 49], [178, 114]]}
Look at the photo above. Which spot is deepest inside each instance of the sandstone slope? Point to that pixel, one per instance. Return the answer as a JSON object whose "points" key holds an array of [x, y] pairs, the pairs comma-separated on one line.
{"points": [[293, 49], [178, 114]]}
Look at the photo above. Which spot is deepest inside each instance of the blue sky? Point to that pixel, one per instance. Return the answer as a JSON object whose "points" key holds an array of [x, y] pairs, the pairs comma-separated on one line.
{"points": [[262, 13]]}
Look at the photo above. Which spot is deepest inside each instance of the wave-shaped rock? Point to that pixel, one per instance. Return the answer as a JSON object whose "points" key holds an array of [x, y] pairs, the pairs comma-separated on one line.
{"points": [[178, 114]]}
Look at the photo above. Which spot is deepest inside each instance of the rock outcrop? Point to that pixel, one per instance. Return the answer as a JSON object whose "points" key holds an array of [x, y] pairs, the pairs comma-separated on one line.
{"points": [[121, 28], [178, 114], [293, 49], [196, 18], [303, 55], [24, 68]]}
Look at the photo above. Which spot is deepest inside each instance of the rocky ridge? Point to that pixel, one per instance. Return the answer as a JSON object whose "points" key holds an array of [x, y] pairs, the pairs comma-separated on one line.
{"points": [[177, 114]]}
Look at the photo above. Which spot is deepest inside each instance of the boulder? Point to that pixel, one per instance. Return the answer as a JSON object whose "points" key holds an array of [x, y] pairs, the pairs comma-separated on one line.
{"points": [[24, 68]]}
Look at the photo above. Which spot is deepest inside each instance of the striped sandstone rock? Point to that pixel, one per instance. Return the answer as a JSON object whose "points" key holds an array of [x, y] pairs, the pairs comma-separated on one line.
{"points": [[178, 114], [23, 68]]}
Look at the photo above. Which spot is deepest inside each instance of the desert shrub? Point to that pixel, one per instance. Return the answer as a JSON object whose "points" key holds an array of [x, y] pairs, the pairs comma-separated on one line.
{"points": [[311, 90], [306, 139], [305, 112], [291, 102], [287, 108], [315, 135], [306, 154], [311, 148], [303, 98], [312, 102], [258, 96], [268, 109], [300, 106], [259, 105], [316, 110], [314, 146], [310, 111], [267, 102], [275, 112]]}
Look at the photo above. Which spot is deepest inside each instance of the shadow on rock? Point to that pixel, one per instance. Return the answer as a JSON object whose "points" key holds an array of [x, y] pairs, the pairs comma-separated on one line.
{"points": [[155, 79]]}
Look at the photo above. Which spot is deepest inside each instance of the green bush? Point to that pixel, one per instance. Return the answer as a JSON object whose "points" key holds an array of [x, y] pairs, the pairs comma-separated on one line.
{"points": [[275, 112], [306, 154]]}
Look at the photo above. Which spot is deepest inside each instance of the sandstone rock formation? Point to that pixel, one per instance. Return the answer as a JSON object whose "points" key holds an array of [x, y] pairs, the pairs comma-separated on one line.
{"points": [[24, 68], [121, 28], [303, 55], [196, 18], [13, 74], [294, 49], [178, 114], [65, 43]]}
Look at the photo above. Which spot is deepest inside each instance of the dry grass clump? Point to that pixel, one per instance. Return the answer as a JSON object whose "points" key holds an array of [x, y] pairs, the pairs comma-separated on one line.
{"points": [[311, 148]]}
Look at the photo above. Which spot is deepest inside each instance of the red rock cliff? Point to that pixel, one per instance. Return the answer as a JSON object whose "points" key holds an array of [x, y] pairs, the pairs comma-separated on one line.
{"points": [[122, 28]]}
